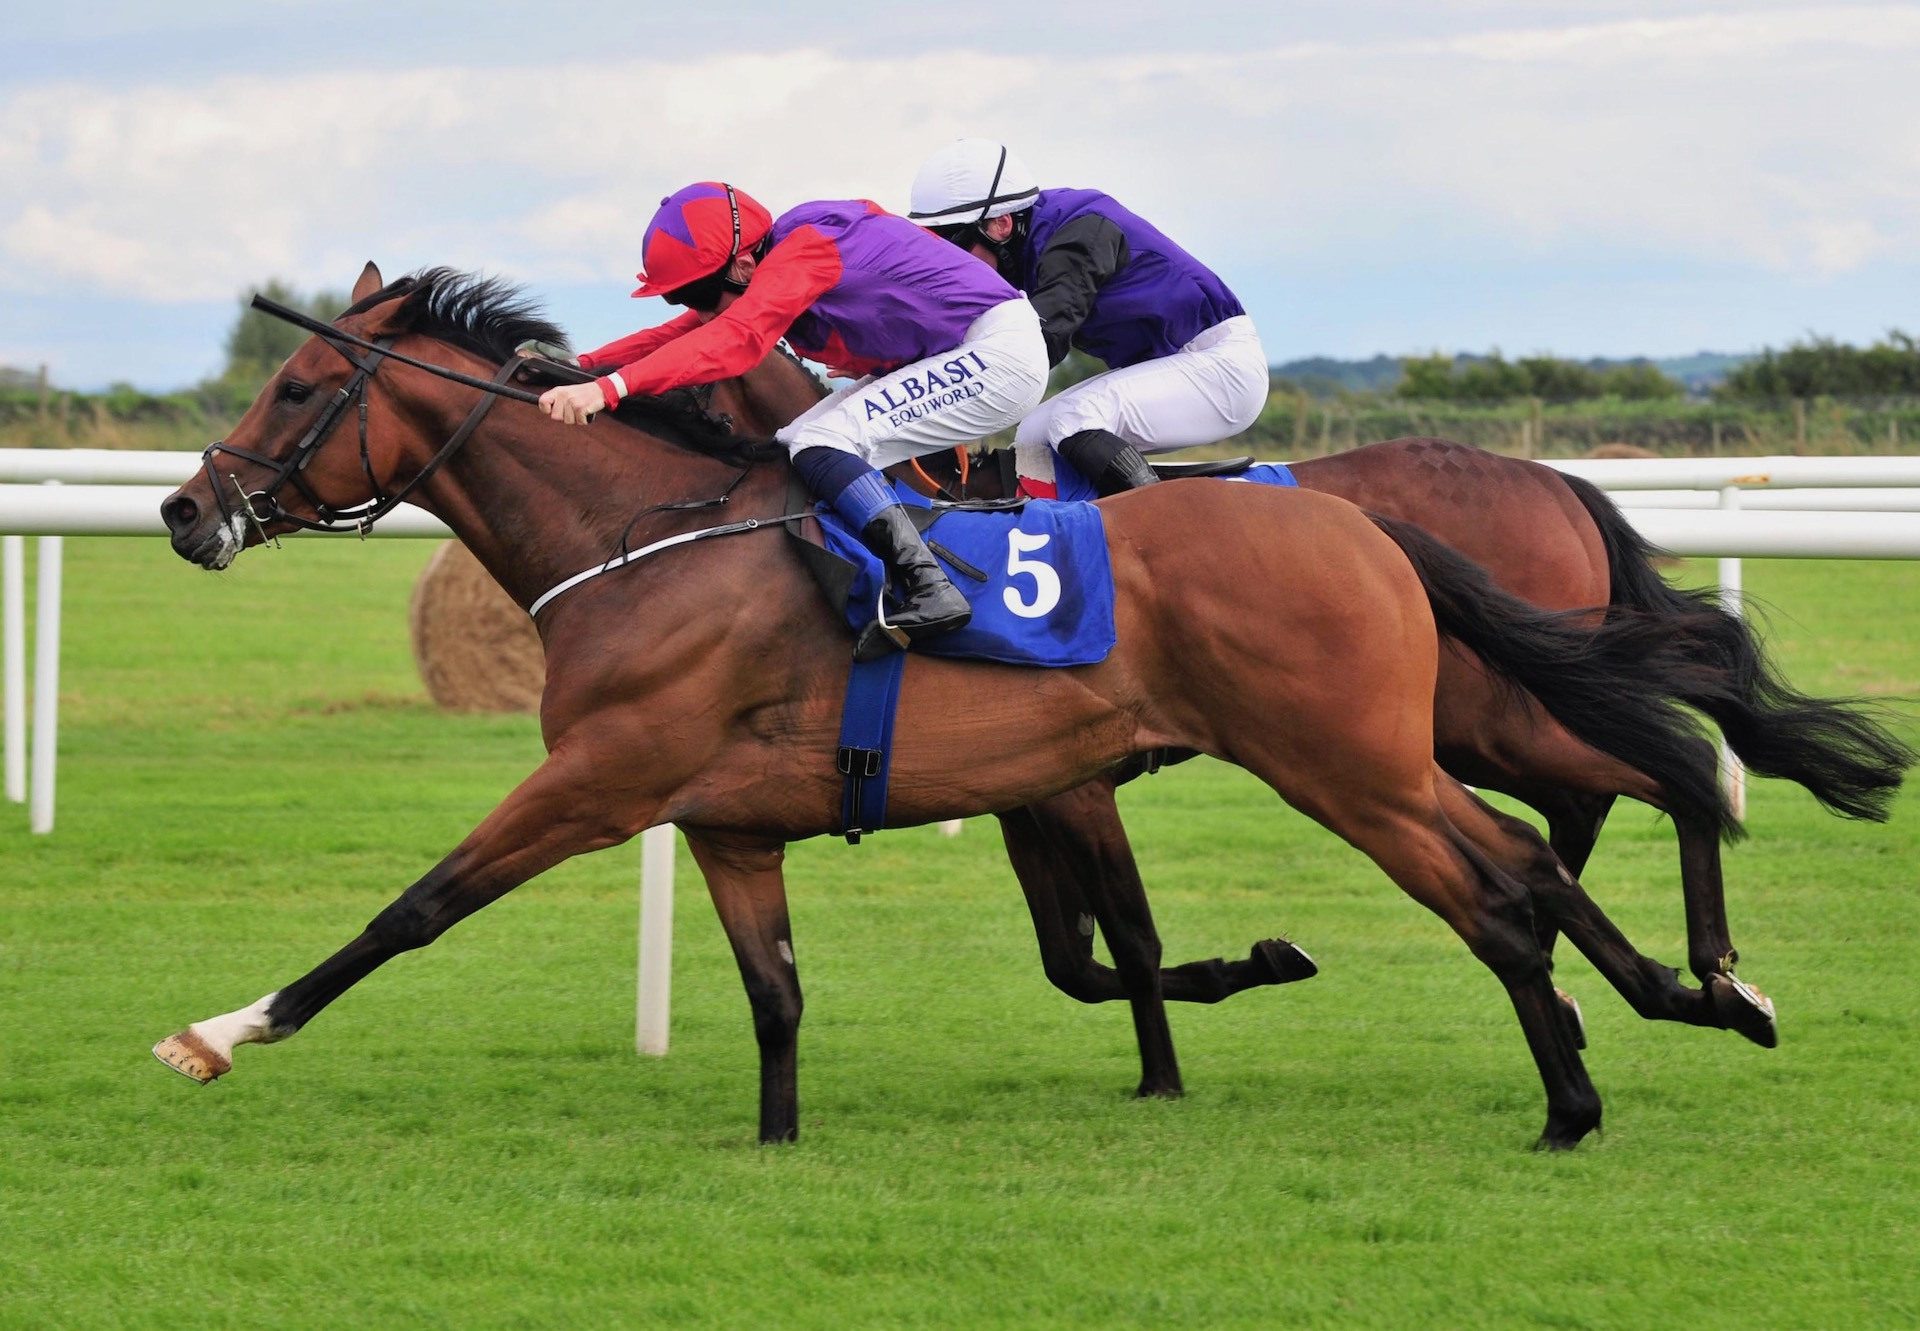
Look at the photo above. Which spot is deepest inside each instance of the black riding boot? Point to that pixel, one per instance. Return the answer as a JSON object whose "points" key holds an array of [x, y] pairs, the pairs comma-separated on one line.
{"points": [[1109, 461], [932, 604]]}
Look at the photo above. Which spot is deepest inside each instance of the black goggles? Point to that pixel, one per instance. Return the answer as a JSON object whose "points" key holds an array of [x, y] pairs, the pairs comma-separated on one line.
{"points": [[703, 295]]}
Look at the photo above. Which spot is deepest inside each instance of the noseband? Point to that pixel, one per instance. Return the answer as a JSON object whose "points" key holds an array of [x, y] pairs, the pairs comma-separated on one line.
{"points": [[263, 506]]}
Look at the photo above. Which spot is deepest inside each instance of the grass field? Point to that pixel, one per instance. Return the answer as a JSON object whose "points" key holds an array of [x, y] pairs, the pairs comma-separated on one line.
{"points": [[249, 772]]}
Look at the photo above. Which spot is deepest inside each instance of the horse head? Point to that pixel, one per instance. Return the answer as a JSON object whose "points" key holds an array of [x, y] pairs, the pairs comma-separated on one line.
{"points": [[327, 440]]}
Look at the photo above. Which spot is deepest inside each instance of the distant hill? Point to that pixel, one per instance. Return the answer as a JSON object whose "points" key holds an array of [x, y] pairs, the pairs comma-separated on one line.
{"points": [[1326, 376]]}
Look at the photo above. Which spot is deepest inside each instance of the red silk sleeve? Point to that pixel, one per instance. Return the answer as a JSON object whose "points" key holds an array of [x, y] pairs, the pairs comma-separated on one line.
{"points": [[795, 273], [635, 345]]}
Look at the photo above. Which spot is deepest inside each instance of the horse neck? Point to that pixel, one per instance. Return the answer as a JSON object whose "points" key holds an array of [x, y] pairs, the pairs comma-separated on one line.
{"points": [[768, 396], [537, 502]]}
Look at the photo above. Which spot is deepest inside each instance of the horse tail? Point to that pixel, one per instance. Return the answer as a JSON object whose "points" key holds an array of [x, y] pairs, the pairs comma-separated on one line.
{"points": [[1838, 748], [1617, 688]]}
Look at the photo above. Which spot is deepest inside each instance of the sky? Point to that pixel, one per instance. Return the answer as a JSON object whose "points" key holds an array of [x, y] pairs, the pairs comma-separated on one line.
{"points": [[1592, 177]]}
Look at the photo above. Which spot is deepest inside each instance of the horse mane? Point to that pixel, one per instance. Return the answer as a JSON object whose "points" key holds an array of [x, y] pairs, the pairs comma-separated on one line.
{"points": [[490, 316]]}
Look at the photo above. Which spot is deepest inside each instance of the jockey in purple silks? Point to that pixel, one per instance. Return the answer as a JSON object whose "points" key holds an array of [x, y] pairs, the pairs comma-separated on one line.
{"points": [[942, 352], [1185, 365]]}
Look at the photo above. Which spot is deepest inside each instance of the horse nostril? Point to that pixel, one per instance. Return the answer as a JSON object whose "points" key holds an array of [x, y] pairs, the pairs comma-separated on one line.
{"points": [[179, 513]]}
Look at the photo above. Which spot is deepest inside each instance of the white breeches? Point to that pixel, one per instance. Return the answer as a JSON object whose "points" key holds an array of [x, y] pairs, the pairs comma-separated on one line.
{"points": [[988, 382], [1209, 390]]}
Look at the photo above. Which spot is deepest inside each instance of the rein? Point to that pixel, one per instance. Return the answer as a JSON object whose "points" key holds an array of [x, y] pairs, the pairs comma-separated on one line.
{"points": [[263, 506]]}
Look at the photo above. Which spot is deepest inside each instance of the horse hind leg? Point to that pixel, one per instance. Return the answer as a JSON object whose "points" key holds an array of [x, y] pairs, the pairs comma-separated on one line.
{"points": [[1710, 951], [1443, 868], [1574, 785], [1408, 835], [1651, 989]]}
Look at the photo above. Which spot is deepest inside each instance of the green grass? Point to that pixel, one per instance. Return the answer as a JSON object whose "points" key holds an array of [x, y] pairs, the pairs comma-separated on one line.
{"points": [[249, 772]]}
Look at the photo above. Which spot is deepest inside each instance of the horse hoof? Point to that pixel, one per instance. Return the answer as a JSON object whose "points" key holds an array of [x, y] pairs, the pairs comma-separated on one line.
{"points": [[1282, 962], [1153, 1091], [1740, 1007], [1566, 1132], [190, 1056], [1576, 1021]]}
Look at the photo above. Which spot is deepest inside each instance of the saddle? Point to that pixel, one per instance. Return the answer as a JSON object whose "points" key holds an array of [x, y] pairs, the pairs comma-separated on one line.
{"points": [[1176, 471]]}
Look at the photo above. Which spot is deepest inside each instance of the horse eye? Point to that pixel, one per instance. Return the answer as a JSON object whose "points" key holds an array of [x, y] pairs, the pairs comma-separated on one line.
{"points": [[294, 391]]}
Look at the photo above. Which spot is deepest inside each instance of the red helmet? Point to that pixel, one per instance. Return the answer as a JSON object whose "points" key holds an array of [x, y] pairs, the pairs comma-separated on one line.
{"points": [[697, 233]]}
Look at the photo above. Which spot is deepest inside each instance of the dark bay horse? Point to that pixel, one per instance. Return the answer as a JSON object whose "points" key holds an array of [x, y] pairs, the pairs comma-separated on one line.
{"points": [[1561, 544], [702, 686]]}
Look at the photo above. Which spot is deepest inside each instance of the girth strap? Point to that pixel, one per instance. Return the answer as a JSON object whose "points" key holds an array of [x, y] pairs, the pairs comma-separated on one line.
{"points": [[865, 754]]}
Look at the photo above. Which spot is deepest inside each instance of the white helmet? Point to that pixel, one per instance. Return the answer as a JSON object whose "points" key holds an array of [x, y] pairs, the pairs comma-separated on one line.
{"points": [[969, 181]]}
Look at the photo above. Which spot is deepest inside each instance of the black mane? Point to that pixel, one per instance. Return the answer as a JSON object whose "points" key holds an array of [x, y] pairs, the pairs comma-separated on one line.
{"points": [[487, 316], [490, 316]]}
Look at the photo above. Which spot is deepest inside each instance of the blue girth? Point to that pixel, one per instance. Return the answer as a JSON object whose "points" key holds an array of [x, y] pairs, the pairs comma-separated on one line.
{"points": [[866, 742]]}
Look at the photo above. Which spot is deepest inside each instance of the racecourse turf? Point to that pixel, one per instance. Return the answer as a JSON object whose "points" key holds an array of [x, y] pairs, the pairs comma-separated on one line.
{"points": [[249, 771]]}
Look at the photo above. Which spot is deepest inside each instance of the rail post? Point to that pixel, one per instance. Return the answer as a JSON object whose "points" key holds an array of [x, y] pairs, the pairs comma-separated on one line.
{"points": [[1732, 773], [655, 981], [46, 682], [13, 662]]}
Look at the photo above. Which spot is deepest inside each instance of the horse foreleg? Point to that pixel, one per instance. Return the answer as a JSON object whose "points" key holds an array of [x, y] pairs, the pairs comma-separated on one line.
{"points": [[1069, 848], [1062, 922], [1083, 827], [750, 895], [550, 817]]}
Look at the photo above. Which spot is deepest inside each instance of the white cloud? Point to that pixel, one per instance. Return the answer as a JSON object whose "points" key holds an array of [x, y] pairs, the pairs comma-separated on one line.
{"points": [[1786, 140]]}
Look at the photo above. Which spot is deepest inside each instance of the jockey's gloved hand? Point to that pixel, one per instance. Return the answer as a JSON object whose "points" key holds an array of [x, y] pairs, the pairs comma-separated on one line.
{"points": [[545, 351]]}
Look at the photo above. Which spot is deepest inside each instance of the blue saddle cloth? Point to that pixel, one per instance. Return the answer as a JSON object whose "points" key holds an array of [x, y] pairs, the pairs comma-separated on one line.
{"points": [[1038, 578]]}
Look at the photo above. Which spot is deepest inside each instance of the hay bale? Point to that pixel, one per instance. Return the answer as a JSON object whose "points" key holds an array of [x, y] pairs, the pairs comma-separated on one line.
{"points": [[477, 651], [1621, 451]]}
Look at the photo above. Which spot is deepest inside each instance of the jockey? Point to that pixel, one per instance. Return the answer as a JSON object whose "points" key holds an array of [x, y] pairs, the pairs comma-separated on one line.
{"points": [[1185, 365], [942, 352]]}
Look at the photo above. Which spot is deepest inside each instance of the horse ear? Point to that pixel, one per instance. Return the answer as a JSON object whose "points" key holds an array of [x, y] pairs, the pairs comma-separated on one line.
{"points": [[368, 283]]}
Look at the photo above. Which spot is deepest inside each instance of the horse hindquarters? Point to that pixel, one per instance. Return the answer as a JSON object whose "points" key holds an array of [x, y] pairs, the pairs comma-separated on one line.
{"points": [[1320, 682]]}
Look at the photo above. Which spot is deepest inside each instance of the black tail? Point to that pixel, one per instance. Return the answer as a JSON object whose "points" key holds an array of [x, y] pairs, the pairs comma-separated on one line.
{"points": [[1837, 748], [1615, 687]]}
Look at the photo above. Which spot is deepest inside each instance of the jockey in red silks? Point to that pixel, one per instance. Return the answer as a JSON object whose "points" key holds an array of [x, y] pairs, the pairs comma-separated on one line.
{"points": [[942, 350], [1185, 365]]}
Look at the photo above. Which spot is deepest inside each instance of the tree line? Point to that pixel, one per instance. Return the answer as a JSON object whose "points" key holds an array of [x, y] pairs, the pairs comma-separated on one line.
{"points": [[1817, 367]]}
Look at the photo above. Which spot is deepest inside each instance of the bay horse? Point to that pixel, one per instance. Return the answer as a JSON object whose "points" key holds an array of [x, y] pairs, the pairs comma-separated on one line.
{"points": [[1552, 539], [702, 686]]}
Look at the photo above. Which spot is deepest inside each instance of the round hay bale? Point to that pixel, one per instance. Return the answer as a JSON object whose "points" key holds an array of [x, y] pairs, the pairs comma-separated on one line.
{"points": [[1621, 451], [477, 651]]}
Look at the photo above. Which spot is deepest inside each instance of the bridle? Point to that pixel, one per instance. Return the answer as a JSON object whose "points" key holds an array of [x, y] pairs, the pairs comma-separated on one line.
{"points": [[263, 506]]}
